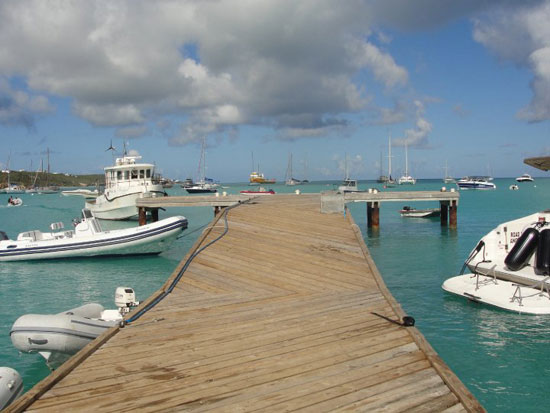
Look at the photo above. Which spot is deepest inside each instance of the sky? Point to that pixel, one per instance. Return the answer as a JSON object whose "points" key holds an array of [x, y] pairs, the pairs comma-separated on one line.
{"points": [[463, 83]]}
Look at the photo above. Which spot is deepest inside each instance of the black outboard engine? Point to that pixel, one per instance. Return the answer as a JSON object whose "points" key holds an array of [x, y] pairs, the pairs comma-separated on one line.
{"points": [[542, 262], [524, 247], [3, 236]]}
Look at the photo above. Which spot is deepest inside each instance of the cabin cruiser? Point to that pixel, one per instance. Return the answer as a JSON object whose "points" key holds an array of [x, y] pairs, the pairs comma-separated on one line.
{"points": [[206, 185], [475, 182], [89, 240], [56, 337], [349, 185], [125, 182], [510, 266], [11, 386], [525, 178]]}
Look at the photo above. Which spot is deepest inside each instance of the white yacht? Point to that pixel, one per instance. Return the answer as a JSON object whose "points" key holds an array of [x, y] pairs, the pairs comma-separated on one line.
{"points": [[525, 178], [475, 182], [510, 266], [125, 182], [349, 185]]}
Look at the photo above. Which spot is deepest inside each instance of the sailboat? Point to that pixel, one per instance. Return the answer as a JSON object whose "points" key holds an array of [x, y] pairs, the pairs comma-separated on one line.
{"points": [[382, 178], [406, 179], [289, 179], [48, 189], [447, 179], [11, 188], [389, 180], [204, 184], [349, 185]]}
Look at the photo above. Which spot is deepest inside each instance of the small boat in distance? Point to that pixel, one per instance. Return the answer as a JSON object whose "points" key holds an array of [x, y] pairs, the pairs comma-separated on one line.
{"points": [[448, 179], [203, 185], [349, 185], [406, 179], [514, 187], [14, 202], [525, 178], [86, 193], [89, 240], [257, 178], [259, 191], [411, 212], [475, 182]]}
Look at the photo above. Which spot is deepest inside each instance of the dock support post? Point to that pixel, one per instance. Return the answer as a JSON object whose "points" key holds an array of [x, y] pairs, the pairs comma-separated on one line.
{"points": [[142, 214], [373, 214], [452, 215], [369, 214], [154, 215], [444, 207]]}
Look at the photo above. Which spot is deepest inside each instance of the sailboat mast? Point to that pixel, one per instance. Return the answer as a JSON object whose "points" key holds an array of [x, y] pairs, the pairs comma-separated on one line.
{"points": [[406, 159], [389, 156]]}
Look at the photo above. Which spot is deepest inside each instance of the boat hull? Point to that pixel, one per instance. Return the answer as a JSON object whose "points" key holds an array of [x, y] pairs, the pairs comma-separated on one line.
{"points": [[147, 239], [499, 293], [11, 386], [119, 208], [58, 336]]}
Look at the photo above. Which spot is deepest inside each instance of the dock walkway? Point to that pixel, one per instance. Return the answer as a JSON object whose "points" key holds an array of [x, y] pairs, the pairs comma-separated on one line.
{"points": [[277, 315]]}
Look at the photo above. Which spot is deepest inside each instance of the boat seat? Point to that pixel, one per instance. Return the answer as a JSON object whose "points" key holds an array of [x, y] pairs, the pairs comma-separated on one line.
{"points": [[35, 235]]}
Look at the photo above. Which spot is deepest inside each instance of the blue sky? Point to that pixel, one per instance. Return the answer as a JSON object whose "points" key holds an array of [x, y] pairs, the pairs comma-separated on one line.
{"points": [[464, 83]]}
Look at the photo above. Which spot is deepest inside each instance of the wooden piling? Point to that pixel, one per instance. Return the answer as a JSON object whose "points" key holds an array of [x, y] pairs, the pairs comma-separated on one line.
{"points": [[444, 207], [453, 215], [142, 216]]}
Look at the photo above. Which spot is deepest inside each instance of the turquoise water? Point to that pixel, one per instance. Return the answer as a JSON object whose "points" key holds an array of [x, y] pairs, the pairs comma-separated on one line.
{"points": [[500, 356]]}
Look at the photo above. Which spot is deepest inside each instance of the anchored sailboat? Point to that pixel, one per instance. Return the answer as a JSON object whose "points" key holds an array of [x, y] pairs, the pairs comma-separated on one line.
{"points": [[406, 179]]}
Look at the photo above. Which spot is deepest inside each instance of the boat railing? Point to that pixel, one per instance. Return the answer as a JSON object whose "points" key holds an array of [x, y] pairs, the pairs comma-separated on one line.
{"points": [[486, 274], [542, 285]]}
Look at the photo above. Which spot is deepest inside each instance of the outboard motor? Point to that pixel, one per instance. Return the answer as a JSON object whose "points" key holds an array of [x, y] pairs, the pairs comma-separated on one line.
{"points": [[542, 261], [524, 247], [125, 299]]}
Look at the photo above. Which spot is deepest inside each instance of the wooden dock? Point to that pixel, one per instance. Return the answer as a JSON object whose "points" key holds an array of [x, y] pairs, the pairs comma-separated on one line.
{"points": [[276, 315]]}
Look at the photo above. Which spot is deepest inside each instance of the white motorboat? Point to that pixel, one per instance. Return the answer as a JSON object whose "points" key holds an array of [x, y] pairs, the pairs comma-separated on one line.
{"points": [[513, 187], [349, 185], [475, 182], [125, 182], [89, 240], [203, 186], [11, 386], [525, 178], [14, 202], [86, 193], [411, 212], [510, 267], [56, 337]]}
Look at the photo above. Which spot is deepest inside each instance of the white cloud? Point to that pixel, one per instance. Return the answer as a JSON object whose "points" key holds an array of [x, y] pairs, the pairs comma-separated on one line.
{"points": [[522, 35], [19, 108]]}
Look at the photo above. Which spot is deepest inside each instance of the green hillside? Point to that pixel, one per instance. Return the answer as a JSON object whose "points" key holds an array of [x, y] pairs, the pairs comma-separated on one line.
{"points": [[26, 179]]}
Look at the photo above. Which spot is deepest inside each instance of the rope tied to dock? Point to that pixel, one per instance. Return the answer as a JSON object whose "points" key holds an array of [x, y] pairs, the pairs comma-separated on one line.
{"points": [[173, 284]]}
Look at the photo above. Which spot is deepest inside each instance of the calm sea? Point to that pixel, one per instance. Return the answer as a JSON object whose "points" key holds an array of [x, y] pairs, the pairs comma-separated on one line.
{"points": [[502, 357]]}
